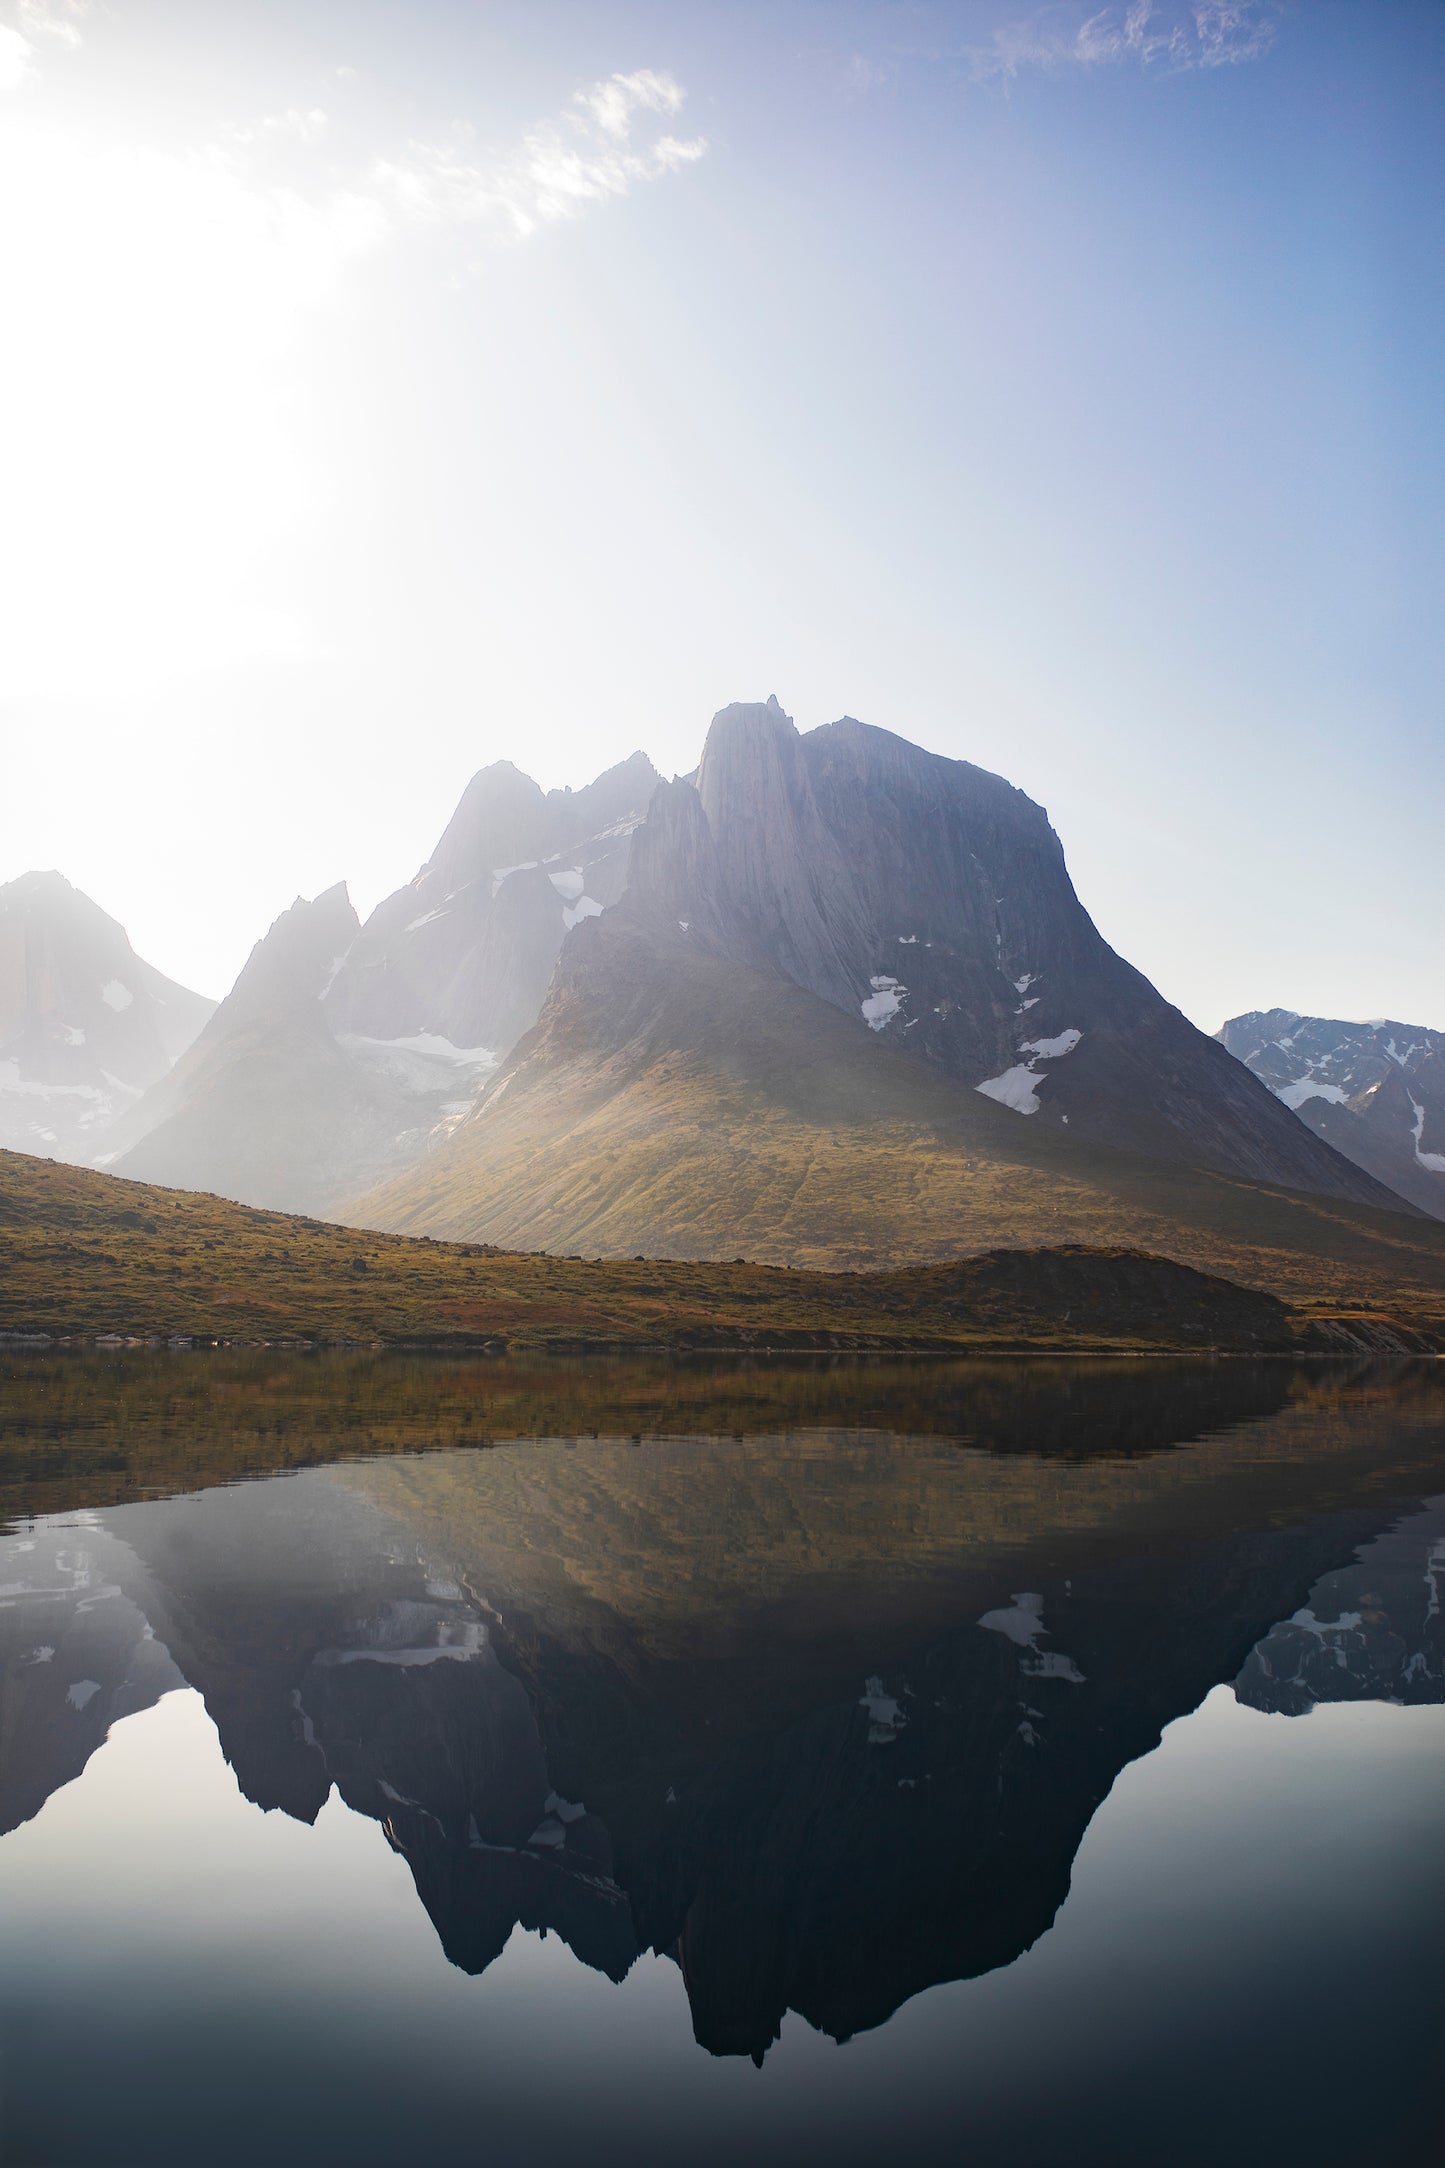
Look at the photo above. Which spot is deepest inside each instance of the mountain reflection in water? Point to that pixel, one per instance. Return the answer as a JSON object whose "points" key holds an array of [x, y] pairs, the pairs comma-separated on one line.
{"points": [[808, 1678]]}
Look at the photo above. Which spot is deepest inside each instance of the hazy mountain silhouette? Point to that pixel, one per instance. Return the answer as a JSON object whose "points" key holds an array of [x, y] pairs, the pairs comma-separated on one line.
{"points": [[344, 1053], [85, 1024]]}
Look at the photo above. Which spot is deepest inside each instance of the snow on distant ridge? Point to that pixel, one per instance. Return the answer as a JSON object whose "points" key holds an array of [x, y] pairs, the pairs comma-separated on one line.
{"points": [[1310, 1087]]}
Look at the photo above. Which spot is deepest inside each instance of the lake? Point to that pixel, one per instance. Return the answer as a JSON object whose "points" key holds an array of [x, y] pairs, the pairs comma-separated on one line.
{"points": [[996, 1761]]}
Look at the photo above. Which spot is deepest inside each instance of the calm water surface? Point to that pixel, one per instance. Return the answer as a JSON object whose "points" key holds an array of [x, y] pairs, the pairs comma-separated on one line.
{"points": [[991, 1762]]}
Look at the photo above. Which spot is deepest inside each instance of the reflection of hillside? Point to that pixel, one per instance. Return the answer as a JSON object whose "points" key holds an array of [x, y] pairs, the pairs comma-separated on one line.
{"points": [[722, 1536], [90, 1430], [1372, 1630], [824, 1716]]}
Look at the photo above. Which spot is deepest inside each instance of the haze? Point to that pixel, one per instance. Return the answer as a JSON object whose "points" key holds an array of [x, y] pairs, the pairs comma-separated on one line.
{"points": [[391, 389]]}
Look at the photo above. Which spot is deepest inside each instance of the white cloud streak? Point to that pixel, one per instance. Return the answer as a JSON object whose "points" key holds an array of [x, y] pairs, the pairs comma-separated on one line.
{"points": [[560, 168], [52, 19], [32, 19], [1171, 35]]}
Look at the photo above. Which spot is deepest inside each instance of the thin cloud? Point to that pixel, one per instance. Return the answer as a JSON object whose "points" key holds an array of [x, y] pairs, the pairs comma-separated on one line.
{"points": [[600, 147], [30, 20], [52, 18], [1172, 35]]}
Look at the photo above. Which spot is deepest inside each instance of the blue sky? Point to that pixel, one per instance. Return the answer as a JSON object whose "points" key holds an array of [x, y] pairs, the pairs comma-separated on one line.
{"points": [[403, 387]]}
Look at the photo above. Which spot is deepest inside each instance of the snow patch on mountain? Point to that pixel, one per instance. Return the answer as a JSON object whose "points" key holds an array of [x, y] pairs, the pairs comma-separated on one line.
{"points": [[1016, 1087], [1435, 1161], [503, 873], [1310, 1087], [1052, 1049], [1013, 1088], [886, 999]]}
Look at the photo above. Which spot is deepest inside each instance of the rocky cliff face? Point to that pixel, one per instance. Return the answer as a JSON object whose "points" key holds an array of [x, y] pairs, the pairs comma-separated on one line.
{"points": [[1376, 1092], [85, 1024], [845, 976], [930, 901], [345, 1052], [271, 1105], [840, 924], [465, 951]]}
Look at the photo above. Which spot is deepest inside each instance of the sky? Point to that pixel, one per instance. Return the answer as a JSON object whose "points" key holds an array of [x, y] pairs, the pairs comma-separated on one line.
{"points": [[392, 386]]}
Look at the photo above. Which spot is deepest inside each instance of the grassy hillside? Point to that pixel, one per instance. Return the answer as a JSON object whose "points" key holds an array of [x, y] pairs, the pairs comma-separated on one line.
{"points": [[90, 1254], [693, 1118]]}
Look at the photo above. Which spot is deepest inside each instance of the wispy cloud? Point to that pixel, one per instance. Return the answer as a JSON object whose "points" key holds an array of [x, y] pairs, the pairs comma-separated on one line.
{"points": [[1171, 35], [29, 20], [52, 18], [612, 135]]}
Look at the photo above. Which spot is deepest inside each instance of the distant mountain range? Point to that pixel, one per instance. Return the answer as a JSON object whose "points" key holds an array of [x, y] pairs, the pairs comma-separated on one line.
{"points": [[85, 1025], [1375, 1091], [832, 999]]}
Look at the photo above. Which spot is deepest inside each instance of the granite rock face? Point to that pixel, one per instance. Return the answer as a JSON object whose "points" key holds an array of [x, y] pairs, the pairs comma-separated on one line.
{"points": [[85, 1024], [1376, 1091], [465, 951], [930, 900]]}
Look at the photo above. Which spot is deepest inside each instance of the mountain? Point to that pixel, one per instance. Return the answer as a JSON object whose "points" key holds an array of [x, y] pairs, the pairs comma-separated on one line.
{"points": [[344, 1052], [1376, 1091], [270, 1102], [849, 1008], [465, 951], [85, 1024]]}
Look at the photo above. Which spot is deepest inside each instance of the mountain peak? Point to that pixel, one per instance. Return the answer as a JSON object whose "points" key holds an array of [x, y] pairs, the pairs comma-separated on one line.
{"points": [[85, 1024], [299, 954], [1375, 1091]]}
